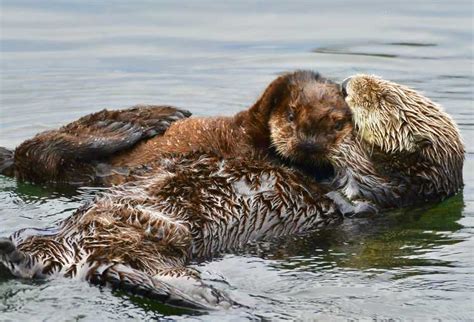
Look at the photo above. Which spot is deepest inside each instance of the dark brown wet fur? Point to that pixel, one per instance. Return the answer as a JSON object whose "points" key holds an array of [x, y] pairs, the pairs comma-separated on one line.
{"points": [[80, 152], [299, 117]]}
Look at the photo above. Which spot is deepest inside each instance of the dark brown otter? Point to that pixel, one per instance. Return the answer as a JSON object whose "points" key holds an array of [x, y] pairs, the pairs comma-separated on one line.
{"points": [[406, 151], [299, 118]]}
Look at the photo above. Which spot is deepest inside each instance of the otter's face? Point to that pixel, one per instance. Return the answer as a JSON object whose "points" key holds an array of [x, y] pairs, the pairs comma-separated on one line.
{"points": [[380, 112], [309, 122]]}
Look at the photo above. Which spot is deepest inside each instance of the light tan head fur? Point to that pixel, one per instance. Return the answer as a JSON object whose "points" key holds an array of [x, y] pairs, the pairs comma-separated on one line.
{"points": [[395, 118]]}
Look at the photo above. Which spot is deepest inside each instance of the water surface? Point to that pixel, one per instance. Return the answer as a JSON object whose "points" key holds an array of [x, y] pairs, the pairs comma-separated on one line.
{"points": [[63, 59]]}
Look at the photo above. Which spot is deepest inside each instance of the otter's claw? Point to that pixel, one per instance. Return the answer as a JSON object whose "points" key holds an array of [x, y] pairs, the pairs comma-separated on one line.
{"points": [[344, 206], [349, 209], [364, 208]]}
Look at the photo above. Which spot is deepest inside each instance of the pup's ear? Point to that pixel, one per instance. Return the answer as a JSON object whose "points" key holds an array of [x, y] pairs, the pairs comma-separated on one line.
{"points": [[273, 95]]}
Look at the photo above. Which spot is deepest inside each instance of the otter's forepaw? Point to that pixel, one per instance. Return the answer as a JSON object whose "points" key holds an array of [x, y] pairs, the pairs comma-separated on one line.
{"points": [[343, 204], [354, 208], [212, 296], [206, 295], [364, 208]]}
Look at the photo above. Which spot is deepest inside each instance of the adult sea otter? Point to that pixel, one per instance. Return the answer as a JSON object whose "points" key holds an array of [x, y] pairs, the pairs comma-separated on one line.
{"points": [[406, 150]]}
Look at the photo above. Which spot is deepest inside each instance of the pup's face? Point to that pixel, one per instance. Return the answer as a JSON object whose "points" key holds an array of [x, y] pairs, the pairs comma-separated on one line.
{"points": [[310, 121], [380, 109]]}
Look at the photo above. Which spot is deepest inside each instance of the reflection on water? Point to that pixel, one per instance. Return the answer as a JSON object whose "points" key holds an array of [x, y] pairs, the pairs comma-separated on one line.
{"points": [[389, 242], [61, 60]]}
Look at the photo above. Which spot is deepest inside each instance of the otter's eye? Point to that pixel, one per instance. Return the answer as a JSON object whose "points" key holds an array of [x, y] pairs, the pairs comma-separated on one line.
{"points": [[291, 116], [339, 125]]}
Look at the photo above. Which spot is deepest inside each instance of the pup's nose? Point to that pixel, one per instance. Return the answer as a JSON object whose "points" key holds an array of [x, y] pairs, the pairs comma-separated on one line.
{"points": [[310, 147], [344, 85]]}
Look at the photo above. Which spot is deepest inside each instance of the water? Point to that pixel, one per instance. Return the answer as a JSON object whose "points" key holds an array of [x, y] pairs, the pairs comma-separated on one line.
{"points": [[63, 59]]}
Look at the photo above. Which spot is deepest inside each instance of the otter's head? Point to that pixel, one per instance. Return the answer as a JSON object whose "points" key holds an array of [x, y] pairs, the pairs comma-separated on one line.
{"points": [[308, 117], [395, 118]]}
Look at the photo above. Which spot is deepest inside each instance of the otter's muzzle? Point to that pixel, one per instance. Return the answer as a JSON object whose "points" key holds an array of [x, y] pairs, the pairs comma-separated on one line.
{"points": [[310, 147], [344, 86]]}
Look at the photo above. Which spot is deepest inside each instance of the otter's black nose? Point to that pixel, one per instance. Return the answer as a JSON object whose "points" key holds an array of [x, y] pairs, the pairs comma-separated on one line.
{"points": [[309, 147], [343, 86]]}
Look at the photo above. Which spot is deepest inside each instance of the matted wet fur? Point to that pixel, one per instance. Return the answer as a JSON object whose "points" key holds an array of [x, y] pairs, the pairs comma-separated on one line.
{"points": [[300, 115], [407, 150], [139, 237]]}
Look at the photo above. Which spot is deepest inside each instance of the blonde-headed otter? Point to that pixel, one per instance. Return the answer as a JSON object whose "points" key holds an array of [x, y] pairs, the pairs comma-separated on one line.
{"points": [[203, 194], [299, 118], [407, 150]]}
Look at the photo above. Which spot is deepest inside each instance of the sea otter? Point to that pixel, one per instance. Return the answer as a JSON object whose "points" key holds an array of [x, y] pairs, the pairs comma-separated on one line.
{"points": [[298, 118], [139, 237], [406, 151], [215, 192]]}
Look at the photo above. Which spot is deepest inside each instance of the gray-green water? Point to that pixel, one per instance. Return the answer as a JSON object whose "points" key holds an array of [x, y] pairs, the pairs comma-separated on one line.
{"points": [[63, 59]]}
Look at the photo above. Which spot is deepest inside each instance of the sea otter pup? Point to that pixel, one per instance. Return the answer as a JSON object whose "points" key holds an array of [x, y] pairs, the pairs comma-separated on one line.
{"points": [[298, 118], [407, 150]]}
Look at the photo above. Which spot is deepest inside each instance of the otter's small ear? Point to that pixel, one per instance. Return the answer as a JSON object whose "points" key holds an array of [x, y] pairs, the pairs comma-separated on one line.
{"points": [[422, 141], [273, 95]]}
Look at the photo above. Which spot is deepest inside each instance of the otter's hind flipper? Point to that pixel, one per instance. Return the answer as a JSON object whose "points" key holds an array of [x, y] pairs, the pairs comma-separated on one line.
{"points": [[17, 262], [106, 132], [8, 251], [68, 154], [136, 282], [6, 162]]}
